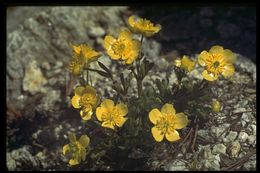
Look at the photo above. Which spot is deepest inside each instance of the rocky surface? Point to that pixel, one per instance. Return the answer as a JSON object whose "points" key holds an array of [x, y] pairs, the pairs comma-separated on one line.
{"points": [[38, 52]]}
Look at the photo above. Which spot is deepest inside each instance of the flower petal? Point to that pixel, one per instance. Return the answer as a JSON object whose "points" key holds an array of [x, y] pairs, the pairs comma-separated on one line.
{"points": [[168, 109], [202, 57], [84, 140], [122, 109], [181, 121], [108, 124], [72, 137], [209, 76], [99, 112], [228, 70], [125, 34], [229, 56], [79, 91], [172, 135], [158, 136], [112, 55], [155, 115], [75, 101], [108, 41], [86, 114], [73, 162], [107, 104], [91, 90], [119, 121], [76, 49], [216, 50], [65, 149], [131, 20]]}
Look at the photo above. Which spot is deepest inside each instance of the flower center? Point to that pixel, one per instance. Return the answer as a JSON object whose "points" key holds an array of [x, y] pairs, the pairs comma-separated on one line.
{"points": [[145, 23], [216, 64], [163, 125], [87, 99], [118, 47]]}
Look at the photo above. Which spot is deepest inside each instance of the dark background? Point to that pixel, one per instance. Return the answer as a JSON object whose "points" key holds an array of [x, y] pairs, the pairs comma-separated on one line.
{"points": [[189, 30]]}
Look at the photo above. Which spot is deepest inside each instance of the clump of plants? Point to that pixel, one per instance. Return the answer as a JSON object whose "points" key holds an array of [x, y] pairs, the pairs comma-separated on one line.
{"points": [[124, 122]]}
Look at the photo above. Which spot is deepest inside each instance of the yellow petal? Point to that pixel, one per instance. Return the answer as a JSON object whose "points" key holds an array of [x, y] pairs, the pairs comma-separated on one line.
{"points": [[86, 114], [228, 70], [84, 140], [99, 112], [209, 76], [77, 49], [177, 62], [119, 121], [91, 90], [158, 136], [65, 149], [168, 109], [79, 91], [216, 50], [108, 41], [172, 135], [73, 162], [107, 105], [122, 109], [125, 34], [131, 20], [202, 57], [181, 121], [83, 154], [229, 56], [108, 124], [155, 115], [72, 137], [112, 55], [75, 101]]}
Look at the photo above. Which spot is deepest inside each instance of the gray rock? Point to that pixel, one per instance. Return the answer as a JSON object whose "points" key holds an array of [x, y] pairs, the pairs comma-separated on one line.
{"points": [[177, 165], [242, 137], [230, 137], [219, 149], [34, 81], [250, 165], [251, 139]]}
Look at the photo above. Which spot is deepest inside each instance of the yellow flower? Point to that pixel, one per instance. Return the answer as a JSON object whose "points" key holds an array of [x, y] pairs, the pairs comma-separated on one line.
{"points": [[76, 65], [217, 61], [86, 51], [166, 122], [76, 149], [125, 47], [185, 63], [111, 115], [86, 99], [215, 106], [143, 26]]}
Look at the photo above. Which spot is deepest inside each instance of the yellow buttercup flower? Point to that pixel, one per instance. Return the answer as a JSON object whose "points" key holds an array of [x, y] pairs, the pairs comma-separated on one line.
{"points": [[111, 115], [216, 106], [185, 63], [217, 61], [143, 26], [125, 47], [76, 65], [86, 51], [76, 149], [86, 99], [166, 122]]}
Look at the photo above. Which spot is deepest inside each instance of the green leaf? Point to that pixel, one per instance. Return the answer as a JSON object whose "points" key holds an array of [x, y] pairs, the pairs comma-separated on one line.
{"points": [[105, 68], [102, 73]]}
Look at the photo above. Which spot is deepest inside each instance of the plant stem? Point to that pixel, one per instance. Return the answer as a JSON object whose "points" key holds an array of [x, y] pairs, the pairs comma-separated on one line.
{"points": [[138, 65], [87, 77]]}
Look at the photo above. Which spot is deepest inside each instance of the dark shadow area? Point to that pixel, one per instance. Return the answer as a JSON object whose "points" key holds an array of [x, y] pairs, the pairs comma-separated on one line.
{"points": [[190, 30]]}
